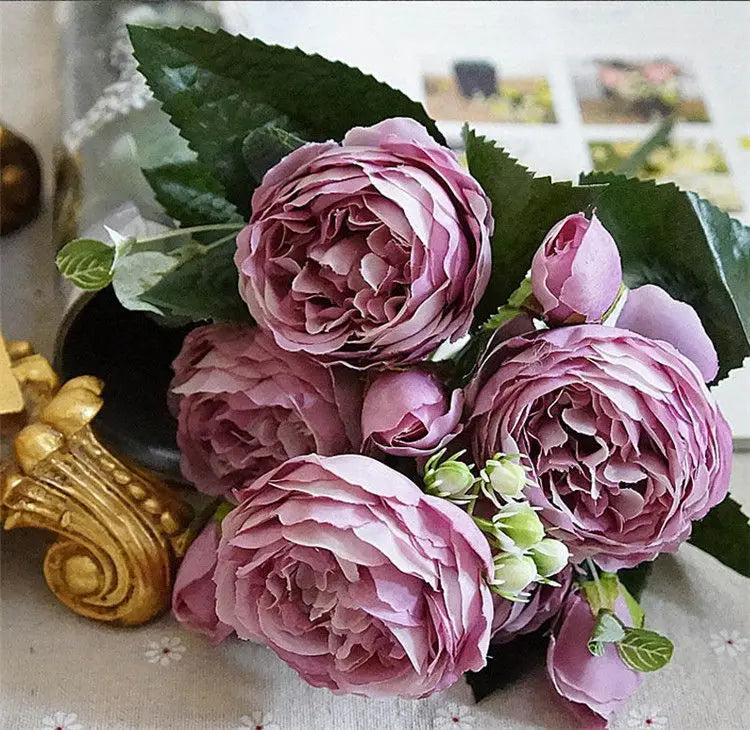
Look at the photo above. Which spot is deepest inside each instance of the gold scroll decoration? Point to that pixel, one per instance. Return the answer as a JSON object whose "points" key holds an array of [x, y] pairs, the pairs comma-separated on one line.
{"points": [[120, 531]]}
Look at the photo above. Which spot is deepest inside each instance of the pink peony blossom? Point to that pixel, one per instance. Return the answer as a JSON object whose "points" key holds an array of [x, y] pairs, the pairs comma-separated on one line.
{"points": [[628, 446], [246, 406], [356, 578], [651, 312], [370, 252], [194, 592], [596, 686], [407, 413], [576, 272], [513, 618]]}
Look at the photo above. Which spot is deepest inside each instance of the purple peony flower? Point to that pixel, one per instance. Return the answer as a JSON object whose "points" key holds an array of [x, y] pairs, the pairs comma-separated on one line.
{"points": [[407, 413], [513, 618], [194, 592], [246, 406], [628, 446], [370, 252], [597, 686], [651, 312], [356, 578], [576, 273]]}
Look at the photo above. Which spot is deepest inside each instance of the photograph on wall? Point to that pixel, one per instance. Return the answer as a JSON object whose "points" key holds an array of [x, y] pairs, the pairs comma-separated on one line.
{"points": [[691, 164], [487, 91], [622, 91]]}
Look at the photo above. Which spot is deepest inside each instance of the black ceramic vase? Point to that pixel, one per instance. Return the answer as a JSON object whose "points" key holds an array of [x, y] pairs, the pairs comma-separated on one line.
{"points": [[132, 354]]}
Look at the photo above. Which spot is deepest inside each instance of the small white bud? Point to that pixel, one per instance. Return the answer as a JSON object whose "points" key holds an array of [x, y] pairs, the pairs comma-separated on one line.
{"points": [[550, 556], [513, 573], [520, 523]]}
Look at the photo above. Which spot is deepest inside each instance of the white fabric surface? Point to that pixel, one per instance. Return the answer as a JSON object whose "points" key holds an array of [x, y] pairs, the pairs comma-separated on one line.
{"points": [[56, 662]]}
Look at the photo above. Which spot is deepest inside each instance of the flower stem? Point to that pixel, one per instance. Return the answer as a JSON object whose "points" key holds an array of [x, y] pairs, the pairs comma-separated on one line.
{"points": [[475, 493], [595, 575], [190, 231]]}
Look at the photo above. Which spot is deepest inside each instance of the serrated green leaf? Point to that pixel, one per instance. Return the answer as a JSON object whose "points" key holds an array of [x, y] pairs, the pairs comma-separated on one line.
{"points": [[202, 287], [217, 87], [266, 146], [87, 263], [524, 207], [725, 533], [608, 629], [645, 651], [513, 307], [190, 194], [687, 246], [136, 273]]}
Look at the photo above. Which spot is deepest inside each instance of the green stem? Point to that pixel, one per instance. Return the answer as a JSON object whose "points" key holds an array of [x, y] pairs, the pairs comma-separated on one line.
{"points": [[474, 492], [595, 576], [190, 231]]}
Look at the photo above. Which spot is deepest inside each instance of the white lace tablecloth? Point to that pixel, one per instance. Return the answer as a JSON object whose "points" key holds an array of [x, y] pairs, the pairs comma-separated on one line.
{"points": [[59, 670]]}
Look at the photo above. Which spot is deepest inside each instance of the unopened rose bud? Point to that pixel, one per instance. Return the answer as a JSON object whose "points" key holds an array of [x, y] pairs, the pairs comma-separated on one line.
{"points": [[506, 477], [451, 479], [550, 557], [514, 572], [576, 272], [410, 413], [520, 523]]}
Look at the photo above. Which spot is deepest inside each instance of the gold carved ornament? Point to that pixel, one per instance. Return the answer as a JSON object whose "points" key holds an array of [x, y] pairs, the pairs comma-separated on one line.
{"points": [[120, 531]]}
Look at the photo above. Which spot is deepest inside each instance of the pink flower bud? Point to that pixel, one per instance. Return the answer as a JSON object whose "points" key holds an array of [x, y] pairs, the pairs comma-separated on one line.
{"points": [[576, 273], [408, 413]]}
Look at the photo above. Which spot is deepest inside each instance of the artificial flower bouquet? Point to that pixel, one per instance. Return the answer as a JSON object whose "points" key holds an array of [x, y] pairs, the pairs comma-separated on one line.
{"points": [[446, 413]]}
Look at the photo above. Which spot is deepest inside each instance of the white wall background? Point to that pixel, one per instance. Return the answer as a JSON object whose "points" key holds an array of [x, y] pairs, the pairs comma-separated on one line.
{"points": [[395, 41]]}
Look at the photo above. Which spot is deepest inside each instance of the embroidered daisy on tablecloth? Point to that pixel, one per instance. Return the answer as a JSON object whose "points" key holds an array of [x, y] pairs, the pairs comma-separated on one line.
{"points": [[453, 717], [258, 720], [647, 718], [169, 649], [729, 643], [61, 721]]}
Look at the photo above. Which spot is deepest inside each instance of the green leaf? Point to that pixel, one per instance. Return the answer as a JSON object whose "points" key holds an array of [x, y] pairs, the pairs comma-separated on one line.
{"points": [[660, 138], [202, 287], [265, 146], [87, 263], [136, 273], [190, 194], [514, 306], [645, 651], [602, 594], [222, 511], [687, 246], [637, 615], [608, 629], [216, 88], [524, 207], [725, 533]]}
